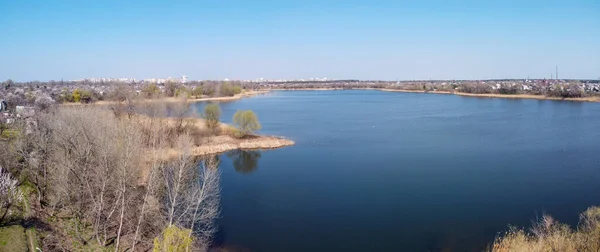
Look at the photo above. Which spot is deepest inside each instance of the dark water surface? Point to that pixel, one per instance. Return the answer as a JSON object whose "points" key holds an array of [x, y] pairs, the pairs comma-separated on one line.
{"points": [[380, 171]]}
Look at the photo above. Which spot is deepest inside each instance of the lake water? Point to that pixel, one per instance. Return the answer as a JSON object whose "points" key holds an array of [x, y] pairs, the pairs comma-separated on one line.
{"points": [[382, 171]]}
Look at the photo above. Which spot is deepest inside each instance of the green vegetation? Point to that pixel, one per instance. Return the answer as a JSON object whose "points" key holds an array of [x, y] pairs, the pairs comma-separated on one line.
{"points": [[76, 95], [212, 114], [198, 91], [170, 88], [3, 127], [550, 235], [246, 122], [173, 239], [182, 91], [230, 90], [13, 238], [151, 91]]}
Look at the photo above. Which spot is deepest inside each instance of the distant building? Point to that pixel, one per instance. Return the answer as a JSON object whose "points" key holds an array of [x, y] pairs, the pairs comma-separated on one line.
{"points": [[184, 79]]}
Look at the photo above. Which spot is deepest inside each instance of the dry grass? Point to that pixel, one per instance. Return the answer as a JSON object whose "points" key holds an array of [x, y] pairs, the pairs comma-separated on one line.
{"points": [[548, 235]]}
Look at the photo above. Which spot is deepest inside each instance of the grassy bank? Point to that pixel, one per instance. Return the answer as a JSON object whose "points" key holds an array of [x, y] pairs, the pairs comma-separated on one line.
{"points": [[13, 238]]}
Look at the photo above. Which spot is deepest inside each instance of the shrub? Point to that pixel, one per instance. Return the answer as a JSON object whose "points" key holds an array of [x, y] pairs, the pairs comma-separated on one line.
{"points": [[170, 89], [182, 91], [550, 235], [212, 114], [151, 91], [173, 239], [197, 91], [246, 122], [230, 90], [76, 95]]}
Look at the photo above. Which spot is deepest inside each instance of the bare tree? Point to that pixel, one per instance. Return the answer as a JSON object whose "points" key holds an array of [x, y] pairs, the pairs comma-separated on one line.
{"points": [[191, 193], [96, 163], [9, 192], [156, 142]]}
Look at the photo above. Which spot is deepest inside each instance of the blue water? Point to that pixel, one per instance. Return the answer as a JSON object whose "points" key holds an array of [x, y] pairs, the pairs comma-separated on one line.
{"points": [[382, 171]]}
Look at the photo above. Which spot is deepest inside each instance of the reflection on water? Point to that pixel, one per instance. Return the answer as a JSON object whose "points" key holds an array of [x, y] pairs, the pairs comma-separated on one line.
{"points": [[244, 161], [210, 161], [423, 173]]}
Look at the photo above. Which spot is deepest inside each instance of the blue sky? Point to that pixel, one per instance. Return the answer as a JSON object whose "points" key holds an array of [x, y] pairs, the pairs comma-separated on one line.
{"points": [[404, 40]]}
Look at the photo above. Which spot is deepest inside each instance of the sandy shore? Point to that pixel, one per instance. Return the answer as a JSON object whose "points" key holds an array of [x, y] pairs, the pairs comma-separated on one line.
{"points": [[223, 143], [215, 144]]}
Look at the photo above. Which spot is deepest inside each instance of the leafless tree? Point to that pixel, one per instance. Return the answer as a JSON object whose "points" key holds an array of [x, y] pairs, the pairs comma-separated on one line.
{"points": [[191, 193], [96, 163], [9, 192]]}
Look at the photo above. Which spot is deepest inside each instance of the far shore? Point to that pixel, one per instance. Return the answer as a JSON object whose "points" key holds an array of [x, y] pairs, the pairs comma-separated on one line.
{"points": [[264, 91], [529, 96], [175, 99], [502, 96]]}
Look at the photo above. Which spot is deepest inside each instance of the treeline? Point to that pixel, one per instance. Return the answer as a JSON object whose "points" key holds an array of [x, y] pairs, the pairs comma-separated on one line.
{"points": [[32, 93], [100, 179]]}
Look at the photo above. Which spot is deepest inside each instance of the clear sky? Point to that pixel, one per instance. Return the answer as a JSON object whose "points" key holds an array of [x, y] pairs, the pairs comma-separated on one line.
{"points": [[404, 40]]}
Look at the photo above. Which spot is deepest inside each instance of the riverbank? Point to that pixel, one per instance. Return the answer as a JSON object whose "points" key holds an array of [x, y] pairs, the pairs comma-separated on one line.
{"points": [[174, 99], [529, 96], [502, 96], [412, 91], [223, 143], [207, 143]]}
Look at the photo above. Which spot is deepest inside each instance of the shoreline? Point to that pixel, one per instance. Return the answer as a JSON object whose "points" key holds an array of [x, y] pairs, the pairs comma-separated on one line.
{"points": [[265, 91], [501, 96], [531, 97], [174, 99], [223, 142]]}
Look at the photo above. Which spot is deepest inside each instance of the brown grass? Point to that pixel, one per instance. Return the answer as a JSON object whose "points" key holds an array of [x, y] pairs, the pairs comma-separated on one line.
{"points": [[550, 235]]}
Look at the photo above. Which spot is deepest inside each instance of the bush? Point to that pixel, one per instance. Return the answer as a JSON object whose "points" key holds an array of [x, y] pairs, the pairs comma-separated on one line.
{"points": [[246, 122], [151, 91], [76, 95], [230, 90], [170, 88], [550, 235], [197, 91], [212, 114], [173, 239]]}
